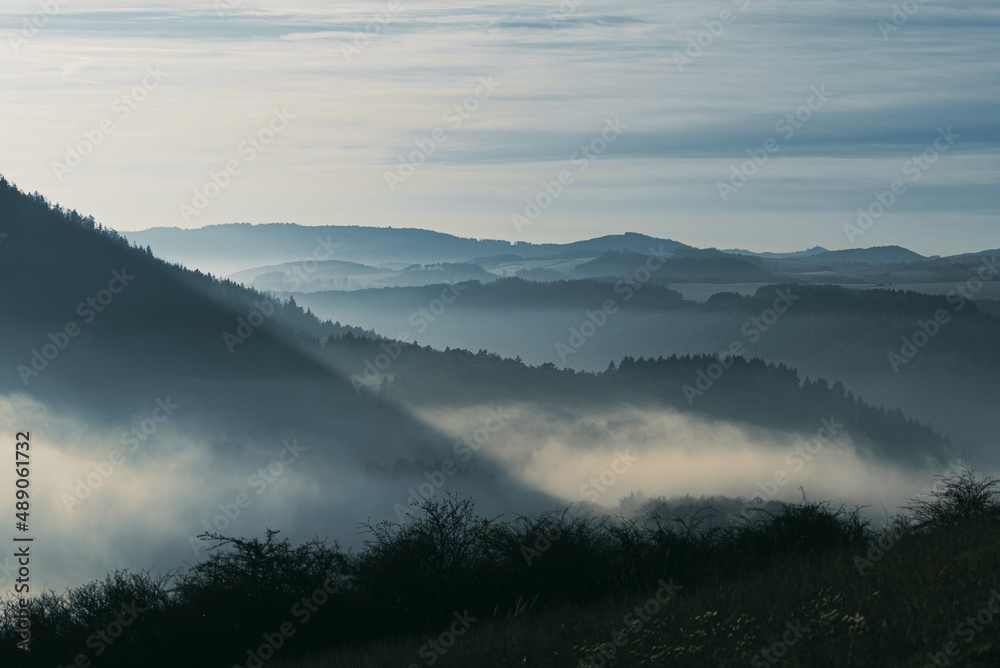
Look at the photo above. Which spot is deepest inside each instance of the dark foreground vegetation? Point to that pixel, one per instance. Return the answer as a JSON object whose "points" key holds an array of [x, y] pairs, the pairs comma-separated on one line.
{"points": [[801, 584]]}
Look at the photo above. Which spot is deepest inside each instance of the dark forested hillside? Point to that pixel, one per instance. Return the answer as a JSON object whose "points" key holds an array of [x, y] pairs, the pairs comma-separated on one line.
{"points": [[277, 417], [104, 329], [185, 323], [715, 268], [751, 391], [933, 355]]}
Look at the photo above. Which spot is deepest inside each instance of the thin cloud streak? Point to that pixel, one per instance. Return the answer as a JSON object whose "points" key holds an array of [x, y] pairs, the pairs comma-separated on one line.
{"points": [[563, 74]]}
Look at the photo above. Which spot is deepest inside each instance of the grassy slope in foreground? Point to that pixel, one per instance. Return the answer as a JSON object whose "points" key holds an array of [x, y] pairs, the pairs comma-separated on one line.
{"points": [[925, 597]]}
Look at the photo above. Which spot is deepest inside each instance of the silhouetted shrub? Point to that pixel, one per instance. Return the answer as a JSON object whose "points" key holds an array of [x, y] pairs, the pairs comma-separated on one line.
{"points": [[411, 577], [422, 570], [956, 497], [251, 586], [116, 620]]}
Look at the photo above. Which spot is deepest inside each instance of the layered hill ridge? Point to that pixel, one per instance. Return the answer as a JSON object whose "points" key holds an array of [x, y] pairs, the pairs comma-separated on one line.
{"points": [[99, 335], [240, 245], [198, 331], [96, 324], [274, 257]]}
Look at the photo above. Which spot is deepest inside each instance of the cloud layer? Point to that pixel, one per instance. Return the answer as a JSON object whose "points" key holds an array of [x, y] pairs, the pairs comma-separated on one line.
{"points": [[698, 85]]}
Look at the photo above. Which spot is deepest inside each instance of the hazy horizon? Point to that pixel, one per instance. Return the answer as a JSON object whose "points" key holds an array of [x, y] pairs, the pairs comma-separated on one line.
{"points": [[611, 233], [536, 82]]}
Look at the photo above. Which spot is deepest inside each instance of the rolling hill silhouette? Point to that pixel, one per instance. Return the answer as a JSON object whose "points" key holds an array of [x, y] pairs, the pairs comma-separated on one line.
{"points": [[98, 333], [221, 347]]}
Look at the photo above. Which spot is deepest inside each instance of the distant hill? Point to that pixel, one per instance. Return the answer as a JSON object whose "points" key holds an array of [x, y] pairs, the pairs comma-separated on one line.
{"points": [[338, 268], [496, 261], [971, 256], [145, 328], [721, 269], [225, 249], [340, 275], [99, 334], [876, 255], [630, 241], [330, 274], [815, 250], [166, 331], [165, 335], [248, 252]]}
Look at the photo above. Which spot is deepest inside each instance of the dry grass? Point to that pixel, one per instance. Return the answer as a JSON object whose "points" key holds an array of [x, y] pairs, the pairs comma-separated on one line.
{"points": [[910, 603]]}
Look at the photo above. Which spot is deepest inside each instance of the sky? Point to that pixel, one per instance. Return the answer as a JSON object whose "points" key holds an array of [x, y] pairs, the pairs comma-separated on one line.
{"points": [[754, 124]]}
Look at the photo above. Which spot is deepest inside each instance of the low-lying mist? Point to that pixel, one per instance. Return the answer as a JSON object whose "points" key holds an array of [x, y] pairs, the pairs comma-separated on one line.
{"points": [[136, 495], [602, 457]]}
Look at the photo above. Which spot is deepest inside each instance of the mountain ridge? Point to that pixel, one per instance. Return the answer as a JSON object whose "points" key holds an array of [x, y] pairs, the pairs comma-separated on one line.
{"points": [[229, 248]]}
